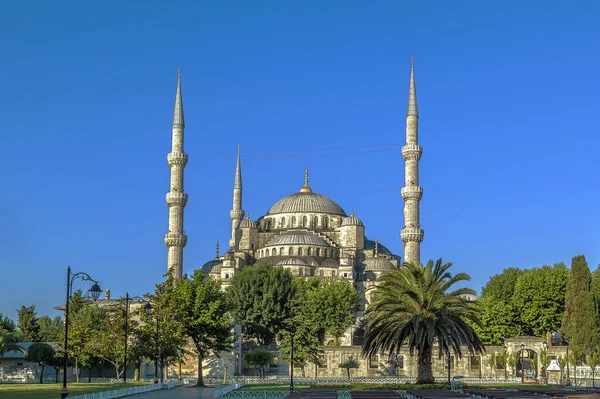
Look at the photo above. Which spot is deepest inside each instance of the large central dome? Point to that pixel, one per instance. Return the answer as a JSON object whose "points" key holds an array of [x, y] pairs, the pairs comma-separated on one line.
{"points": [[306, 202]]}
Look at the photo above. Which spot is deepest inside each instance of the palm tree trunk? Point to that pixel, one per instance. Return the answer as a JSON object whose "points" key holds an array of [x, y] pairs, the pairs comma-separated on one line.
{"points": [[424, 371]]}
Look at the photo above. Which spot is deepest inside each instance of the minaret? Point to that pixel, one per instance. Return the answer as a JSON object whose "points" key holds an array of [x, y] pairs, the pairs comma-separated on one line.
{"points": [[412, 234], [236, 213], [175, 239]]}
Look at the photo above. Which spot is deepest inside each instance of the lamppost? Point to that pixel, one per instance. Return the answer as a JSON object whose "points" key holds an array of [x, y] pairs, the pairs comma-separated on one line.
{"points": [[148, 309], [292, 330], [505, 354], [544, 371], [449, 364], [95, 293], [522, 373], [127, 299]]}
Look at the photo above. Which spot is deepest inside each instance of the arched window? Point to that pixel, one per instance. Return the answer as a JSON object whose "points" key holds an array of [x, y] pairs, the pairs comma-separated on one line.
{"points": [[321, 273], [333, 273], [290, 251], [358, 336], [318, 251], [281, 250], [316, 221], [301, 272], [267, 252], [308, 252], [274, 251], [300, 251], [262, 253], [325, 222], [304, 221], [293, 221], [282, 223], [268, 225], [326, 253]]}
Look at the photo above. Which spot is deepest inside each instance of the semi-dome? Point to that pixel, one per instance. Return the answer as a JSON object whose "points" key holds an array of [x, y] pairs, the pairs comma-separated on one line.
{"points": [[293, 261], [248, 223], [311, 261], [378, 264], [370, 245], [297, 238], [330, 263], [306, 202], [213, 266]]}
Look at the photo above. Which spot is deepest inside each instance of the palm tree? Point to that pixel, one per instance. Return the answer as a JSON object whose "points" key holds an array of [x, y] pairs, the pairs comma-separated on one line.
{"points": [[412, 306], [8, 342]]}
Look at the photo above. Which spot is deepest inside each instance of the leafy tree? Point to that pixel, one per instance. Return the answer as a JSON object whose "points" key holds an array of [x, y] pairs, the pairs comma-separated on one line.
{"points": [[562, 363], [413, 306], [7, 324], [502, 358], [540, 298], [27, 323], [308, 340], [545, 360], [593, 359], [351, 363], [580, 319], [499, 317], [261, 297], [596, 282], [50, 329], [492, 363], [203, 311], [43, 354], [107, 339], [84, 322], [260, 359], [575, 355], [513, 360]]}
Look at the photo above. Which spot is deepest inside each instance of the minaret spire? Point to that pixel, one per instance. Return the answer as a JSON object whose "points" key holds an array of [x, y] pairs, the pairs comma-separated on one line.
{"points": [[217, 250], [306, 188], [175, 239], [412, 234], [236, 214]]}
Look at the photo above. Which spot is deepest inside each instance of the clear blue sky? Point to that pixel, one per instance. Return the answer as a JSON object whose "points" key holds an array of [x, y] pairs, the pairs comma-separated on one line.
{"points": [[509, 121]]}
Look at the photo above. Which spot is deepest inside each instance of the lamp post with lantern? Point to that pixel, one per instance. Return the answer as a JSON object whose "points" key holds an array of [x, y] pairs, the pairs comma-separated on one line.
{"points": [[95, 292], [522, 368]]}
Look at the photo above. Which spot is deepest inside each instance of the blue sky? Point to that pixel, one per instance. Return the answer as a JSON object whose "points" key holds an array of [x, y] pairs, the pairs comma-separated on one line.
{"points": [[508, 97]]}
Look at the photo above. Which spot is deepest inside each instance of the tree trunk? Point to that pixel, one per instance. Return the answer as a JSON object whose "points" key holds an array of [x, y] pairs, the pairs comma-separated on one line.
{"points": [[316, 372], [348, 372], [42, 375], [137, 372], [76, 369], [179, 377], [89, 374], [56, 372], [224, 374], [424, 371], [200, 382]]}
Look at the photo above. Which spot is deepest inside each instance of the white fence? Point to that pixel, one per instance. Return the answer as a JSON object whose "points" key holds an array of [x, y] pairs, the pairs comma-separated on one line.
{"points": [[284, 380], [256, 395], [120, 393], [221, 392]]}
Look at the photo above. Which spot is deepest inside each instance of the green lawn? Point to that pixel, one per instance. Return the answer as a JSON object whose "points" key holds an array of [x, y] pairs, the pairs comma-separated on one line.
{"points": [[52, 391]]}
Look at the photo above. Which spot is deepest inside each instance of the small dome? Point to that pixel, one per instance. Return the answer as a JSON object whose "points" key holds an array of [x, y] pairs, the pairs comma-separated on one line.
{"points": [[370, 245], [292, 262], [378, 264], [330, 263], [298, 238], [248, 223], [311, 261], [306, 202], [352, 221], [212, 266]]}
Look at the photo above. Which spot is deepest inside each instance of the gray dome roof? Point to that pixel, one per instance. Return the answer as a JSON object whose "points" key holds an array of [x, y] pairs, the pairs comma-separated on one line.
{"points": [[248, 223], [311, 261], [378, 264], [292, 262], [306, 202], [298, 238], [381, 248], [352, 221], [212, 266], [330, 263]]}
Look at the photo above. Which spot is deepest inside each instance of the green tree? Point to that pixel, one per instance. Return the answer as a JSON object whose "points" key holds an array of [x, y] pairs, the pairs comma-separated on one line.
{"points": [[334, 303], [203, 311], [593, 359], [562, 363], [502, 358], [492, 361], [50, 329], [580, 319], [84, 322], [513, 359], [7, 324], [260, 359], [545, 360], [27, 323], [596, 282], [499, 317], [261, 297], [9, 342], [42, 354], [414, 306], [107, 339], [539, 297], [575, 356], [351, 363]]}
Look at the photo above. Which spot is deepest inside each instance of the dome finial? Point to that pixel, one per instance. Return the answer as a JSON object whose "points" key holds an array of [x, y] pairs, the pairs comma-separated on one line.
{"points": [[352, 214], [377, 247], [306, 188], [217, 250]]}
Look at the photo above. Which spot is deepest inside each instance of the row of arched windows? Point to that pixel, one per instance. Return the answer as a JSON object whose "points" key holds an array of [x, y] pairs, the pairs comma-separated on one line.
{"points": [[300, 251], [305, 221]]}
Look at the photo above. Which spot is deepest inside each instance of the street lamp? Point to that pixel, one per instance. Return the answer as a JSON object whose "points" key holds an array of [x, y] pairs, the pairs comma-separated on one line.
{"points": [[505, 354], [95, 293], [292, 330], [522, 374], [449, 364], [127, 299], [148, 309]]}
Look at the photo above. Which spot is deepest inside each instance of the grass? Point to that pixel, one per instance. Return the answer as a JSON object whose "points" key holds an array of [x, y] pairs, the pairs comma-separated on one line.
{"points": [[52, 391]]}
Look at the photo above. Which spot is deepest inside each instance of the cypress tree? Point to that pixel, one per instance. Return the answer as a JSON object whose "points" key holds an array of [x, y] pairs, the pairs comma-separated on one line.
{"points": [[580, 320]]}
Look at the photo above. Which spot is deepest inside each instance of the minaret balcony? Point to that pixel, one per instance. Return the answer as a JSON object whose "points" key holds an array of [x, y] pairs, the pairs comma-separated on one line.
{"points": [[177, 158], [175, 240], [236, 214], [412, 234], [412, 152], [175, 198], [411, 193]]}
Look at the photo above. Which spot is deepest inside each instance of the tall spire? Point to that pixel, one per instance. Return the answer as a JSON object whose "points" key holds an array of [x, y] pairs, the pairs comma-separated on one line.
{"points": [[178, 112], [412, 109], [175, 239], [306, 188], [237, 182]]}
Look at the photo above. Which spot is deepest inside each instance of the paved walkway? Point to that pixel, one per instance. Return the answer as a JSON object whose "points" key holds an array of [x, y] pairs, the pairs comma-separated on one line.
{"points": [[184, 392]]}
